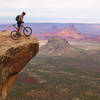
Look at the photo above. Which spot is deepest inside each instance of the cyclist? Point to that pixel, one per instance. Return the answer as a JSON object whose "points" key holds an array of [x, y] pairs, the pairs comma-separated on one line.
{"points": [[20, 21]]}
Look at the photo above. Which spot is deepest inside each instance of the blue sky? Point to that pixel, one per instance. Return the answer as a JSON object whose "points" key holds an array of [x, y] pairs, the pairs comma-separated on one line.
{"points": [[59, 11]]}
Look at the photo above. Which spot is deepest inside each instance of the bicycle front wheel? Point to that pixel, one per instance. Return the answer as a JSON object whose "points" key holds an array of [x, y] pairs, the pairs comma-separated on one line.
{"points": [[27, 31]]}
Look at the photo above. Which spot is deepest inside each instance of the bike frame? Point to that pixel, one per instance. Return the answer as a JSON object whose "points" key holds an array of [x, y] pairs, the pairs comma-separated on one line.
{"points": [[22, 26]]}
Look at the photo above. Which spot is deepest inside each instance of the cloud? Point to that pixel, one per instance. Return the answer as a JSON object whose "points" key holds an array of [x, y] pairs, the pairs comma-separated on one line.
{"points": [[51, 8]]}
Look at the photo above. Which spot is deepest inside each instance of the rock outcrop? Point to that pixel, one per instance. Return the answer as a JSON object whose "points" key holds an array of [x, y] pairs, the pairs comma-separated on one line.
{"points": [[14, 55], [71, 32], [58, 47]]}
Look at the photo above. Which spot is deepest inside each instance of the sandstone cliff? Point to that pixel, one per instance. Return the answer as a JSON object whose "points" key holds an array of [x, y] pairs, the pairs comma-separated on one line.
{"points": [[60, 47], [14, 55]]}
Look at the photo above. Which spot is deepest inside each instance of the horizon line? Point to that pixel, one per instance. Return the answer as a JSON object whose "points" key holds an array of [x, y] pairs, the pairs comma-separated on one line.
{"points": [[9, 19], [54, 23]]}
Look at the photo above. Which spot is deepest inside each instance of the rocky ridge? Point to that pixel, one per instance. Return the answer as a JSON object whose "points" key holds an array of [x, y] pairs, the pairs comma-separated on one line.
{"points": [[14, 55]]}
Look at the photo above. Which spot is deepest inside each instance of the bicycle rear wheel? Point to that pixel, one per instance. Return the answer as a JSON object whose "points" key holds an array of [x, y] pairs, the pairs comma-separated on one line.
{"points": [[14, 35], [27, 31]]}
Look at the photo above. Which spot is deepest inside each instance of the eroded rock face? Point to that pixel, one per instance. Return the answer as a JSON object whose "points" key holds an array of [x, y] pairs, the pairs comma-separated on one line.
{"points": [[56, 47], [60, 47], [14, 55]]}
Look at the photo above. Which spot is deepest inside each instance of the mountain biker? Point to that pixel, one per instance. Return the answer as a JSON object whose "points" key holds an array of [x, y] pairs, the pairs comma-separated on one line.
{"points": [[20, 21]]}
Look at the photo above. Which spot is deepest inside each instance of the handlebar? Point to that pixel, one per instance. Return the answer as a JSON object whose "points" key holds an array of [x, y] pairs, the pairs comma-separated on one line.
{"points": [[14, 24]]}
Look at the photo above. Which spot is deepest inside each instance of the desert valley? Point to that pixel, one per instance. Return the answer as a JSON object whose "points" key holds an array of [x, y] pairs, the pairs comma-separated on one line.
{"points": [[67, 66]]}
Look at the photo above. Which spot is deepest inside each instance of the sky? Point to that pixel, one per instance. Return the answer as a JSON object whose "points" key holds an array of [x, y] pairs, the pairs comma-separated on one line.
{"points": [[58, 11]]}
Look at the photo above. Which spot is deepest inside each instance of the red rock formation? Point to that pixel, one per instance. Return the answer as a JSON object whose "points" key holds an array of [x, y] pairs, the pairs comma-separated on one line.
{"points": [[71, 32]]}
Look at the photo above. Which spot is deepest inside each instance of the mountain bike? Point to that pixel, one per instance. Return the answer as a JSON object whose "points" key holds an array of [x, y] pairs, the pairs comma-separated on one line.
{"points": [[27, 31]]}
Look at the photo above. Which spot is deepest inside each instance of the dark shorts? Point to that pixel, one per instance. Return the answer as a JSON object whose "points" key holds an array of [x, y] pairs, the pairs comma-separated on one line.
{"points": [[19, 23]]}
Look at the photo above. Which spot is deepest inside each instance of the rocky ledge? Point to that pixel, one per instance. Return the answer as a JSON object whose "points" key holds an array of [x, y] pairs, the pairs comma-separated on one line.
{"points": [[14, 55]]}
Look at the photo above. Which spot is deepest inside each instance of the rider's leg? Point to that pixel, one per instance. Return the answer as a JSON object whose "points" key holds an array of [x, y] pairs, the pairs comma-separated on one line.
{"points": [[18, 29]]}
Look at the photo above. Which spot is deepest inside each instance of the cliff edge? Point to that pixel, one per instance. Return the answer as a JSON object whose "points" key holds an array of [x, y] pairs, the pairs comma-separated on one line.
{"points": [[14, 55]]}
